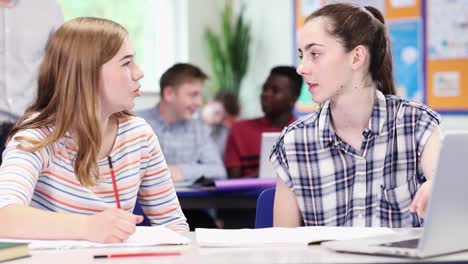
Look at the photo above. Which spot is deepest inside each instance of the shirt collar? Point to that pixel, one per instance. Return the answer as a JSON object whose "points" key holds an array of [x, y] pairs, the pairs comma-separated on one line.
{"points": [[379, 113], [157, 115], [327, 135]]}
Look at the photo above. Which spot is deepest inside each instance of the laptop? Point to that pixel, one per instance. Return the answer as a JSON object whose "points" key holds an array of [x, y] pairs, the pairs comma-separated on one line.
{"points": [[445, 226], [266, 169]]}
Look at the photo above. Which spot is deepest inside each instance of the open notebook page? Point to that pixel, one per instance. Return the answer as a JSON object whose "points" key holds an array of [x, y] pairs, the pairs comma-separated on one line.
{"points": [[278, 235], [143, 236]]}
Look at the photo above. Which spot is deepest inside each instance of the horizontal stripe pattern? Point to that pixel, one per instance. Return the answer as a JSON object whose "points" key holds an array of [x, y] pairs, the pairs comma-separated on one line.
{"points": [[45, 179]]}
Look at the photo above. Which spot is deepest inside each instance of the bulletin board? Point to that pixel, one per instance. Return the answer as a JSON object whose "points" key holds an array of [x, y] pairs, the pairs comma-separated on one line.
{"points": [[447, 55], [429, 48]]}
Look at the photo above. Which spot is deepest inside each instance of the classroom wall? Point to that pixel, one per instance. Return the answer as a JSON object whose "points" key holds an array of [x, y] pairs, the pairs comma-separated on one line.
{"points": [[272, 44], [272, 33]]}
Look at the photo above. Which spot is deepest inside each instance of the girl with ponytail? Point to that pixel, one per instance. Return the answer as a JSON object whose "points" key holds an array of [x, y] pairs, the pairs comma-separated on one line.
{"points": [[367, 156]]}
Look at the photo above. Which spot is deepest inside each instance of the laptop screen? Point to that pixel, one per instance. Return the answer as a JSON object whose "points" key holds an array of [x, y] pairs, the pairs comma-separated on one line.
{"points": [[266, 169]]}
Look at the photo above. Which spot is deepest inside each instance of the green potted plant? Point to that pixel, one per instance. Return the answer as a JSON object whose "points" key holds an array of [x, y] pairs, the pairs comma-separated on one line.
{"points": [[229, 52]]}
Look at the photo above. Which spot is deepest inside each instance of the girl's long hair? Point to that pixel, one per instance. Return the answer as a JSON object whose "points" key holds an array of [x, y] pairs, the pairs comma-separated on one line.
{"points": [[69, 90]]}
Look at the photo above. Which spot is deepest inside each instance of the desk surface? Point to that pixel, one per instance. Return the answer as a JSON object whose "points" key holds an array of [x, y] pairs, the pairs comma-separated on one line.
{"points": [[193, 254]]}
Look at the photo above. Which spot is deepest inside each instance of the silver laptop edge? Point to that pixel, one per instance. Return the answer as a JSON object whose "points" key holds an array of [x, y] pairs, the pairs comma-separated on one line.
{"points": [[266, 169], [445, 227]]}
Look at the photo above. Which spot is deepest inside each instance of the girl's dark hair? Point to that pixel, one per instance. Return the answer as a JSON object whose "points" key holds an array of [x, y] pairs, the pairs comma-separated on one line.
{"points": [[354, 26]]}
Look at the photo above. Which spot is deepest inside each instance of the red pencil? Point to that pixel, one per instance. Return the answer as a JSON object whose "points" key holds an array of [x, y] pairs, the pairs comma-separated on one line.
{"points": [[140, 254], [114, 183]]}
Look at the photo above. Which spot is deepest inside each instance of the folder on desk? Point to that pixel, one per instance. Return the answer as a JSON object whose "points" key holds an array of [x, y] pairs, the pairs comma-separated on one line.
{"points": [[241, 184], [236, 184], [144, 236], [278, 235]]}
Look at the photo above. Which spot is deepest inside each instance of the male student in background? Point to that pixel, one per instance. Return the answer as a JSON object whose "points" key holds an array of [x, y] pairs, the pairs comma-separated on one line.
{"points": [[189, 150], [185, 141], [279, 94]]}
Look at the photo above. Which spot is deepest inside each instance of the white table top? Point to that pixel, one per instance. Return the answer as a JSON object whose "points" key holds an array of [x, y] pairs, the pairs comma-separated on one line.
{"points": [[193, 254]]}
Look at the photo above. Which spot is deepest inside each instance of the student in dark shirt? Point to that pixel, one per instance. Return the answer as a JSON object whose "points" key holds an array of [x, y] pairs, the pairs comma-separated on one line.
{"points": [[279, 94]]}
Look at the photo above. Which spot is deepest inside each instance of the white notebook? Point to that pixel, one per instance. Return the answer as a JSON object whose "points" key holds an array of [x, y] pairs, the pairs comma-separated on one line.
{"points": [[279, 235], [143, 236]]}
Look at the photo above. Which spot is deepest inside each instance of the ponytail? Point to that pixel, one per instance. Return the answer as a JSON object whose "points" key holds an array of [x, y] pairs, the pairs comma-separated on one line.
{"points": [[381, 65]]}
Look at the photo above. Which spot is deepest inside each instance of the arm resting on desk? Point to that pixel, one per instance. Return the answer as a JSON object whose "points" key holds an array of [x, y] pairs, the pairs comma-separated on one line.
{"points": [[24, 222]]}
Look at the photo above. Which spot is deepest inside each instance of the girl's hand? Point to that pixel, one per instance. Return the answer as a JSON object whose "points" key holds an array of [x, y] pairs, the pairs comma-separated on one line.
{"points": [[111, 226]]}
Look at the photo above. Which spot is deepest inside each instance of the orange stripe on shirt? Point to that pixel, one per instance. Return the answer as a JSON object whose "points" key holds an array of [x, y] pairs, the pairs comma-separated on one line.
{"points": [[162, 213], [127, 141], [62, 178], [25, 187], [118, 189], [15, 167], [117, 170], [67, 204], [156, 193], [156, 172]]}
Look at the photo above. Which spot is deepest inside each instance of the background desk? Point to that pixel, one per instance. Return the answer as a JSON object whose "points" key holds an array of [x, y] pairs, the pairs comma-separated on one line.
{"points": [[194, 254], [209, 197]]}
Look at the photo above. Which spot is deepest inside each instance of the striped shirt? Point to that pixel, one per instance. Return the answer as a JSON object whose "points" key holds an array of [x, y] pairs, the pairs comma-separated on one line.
{"points": [[338, 185], [45, 179]]}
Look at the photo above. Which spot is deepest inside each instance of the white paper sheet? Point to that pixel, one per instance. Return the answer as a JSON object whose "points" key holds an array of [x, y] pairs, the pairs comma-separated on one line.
{"points": [[275, 235], [143, 236]]}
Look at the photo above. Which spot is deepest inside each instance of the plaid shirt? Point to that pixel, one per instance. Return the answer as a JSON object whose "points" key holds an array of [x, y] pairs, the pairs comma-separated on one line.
{"points": [[337, 185]]}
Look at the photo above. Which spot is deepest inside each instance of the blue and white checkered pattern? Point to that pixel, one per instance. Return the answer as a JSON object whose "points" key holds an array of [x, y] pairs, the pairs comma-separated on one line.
{"points": [[337, 185]]}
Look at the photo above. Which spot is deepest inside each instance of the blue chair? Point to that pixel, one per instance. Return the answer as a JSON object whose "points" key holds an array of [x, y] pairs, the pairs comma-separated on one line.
{"points": [[264, 215], [138, 211]]}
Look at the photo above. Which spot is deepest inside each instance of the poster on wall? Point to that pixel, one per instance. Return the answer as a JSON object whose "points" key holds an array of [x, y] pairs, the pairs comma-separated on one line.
{"points": [[407, 51], [447, 84], [402, 3], [447, 29], [309, 6]]}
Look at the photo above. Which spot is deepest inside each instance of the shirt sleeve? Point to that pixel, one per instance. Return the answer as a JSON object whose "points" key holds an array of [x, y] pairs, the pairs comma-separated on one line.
{"points": [[208, 163], [157, 195], [279, 160], [20, 169], [426, 123]]}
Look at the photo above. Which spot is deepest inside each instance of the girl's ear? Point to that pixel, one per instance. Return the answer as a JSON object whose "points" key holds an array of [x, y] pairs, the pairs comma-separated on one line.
{"points": [[360, 57]]}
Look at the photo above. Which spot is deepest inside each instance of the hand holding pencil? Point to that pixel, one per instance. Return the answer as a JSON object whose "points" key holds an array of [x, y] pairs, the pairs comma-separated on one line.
{"points": [[111, 226]]}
